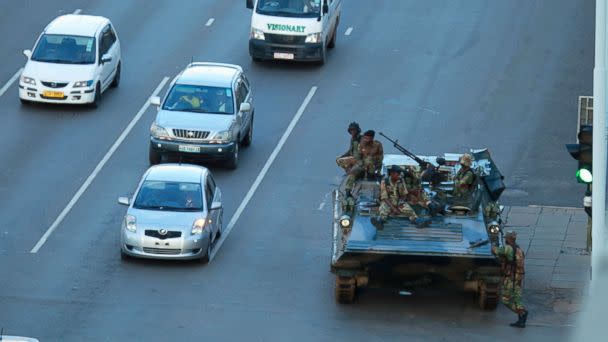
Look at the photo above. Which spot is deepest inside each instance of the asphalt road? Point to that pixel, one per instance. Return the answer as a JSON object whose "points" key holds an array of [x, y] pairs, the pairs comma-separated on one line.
{"points": [[441, 76]]}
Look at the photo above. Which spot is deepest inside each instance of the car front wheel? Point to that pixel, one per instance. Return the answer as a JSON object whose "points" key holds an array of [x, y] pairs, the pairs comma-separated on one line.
{"points": [[154, 156], [233, 162]]}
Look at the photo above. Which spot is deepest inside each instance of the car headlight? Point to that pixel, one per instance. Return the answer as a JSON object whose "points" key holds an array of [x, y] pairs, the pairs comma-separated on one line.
{"points": [[28, 80], [313, 38], [158, 132], [257, 34], [81, 84], [131, 223], [345, 221], [199, 226], [222, 137], [494, 227]]}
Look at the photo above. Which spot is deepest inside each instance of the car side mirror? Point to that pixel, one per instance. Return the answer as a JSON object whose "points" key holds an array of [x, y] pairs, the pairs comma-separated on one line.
{"points": [[325, 8], [123, 200], [155, 100], [249, 4], [216, 206], [27, 53], [106, 58], [245, 107]]}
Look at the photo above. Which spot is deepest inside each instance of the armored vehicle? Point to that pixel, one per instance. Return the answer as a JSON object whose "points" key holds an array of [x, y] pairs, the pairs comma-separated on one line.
{"points": [[454, 245]]}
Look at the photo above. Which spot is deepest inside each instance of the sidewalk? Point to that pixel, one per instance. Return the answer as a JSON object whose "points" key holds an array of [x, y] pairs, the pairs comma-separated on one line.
{"points": [[557, 264]]}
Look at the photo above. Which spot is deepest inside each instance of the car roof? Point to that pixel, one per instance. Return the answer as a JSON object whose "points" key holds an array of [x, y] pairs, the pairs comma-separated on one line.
{"points": [[76, 24], [209, 74], [176, 173]]}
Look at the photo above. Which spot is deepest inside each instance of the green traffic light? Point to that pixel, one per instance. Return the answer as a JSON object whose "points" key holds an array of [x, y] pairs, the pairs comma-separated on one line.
{"points": [[584, 176]]}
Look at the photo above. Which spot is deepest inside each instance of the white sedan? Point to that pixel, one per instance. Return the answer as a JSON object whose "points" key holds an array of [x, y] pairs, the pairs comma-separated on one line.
{"points": [[75, 59]]}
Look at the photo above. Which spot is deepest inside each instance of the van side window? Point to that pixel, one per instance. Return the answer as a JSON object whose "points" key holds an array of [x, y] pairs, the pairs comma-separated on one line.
{"points": [[108, 38]]}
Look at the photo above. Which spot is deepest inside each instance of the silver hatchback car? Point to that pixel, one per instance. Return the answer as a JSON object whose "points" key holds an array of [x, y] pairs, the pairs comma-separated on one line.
{"points": [[175, 213]]}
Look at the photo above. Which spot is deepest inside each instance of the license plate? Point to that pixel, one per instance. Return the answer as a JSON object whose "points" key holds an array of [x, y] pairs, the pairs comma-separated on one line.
{"points": [[54, 94], [282, 55], [189, 149]]}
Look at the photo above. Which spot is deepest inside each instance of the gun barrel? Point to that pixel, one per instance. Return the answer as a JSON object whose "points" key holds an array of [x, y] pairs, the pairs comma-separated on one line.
{"points": [[402, 149]]}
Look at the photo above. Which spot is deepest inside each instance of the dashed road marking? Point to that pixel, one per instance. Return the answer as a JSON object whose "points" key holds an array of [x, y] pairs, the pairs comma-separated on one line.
{"points": [[210, 22], [78, 11], [263, 172], [348, 31], [98, 168], [10, 82]]}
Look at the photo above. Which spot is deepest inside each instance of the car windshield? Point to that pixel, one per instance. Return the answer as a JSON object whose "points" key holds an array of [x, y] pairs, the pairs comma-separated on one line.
{"points": [[171, 196], [199, 99], [55, 48], [289, 8]]}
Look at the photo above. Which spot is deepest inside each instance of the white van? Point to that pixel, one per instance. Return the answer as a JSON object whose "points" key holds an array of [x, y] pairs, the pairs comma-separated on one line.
{"points": [[299, 30]]}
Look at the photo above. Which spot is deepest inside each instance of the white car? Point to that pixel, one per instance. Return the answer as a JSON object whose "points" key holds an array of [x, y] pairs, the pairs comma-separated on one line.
{"points": [[75, 59]]}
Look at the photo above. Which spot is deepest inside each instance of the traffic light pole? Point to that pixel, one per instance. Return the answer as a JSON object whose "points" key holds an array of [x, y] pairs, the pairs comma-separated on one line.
{"points": [[599, 141]]}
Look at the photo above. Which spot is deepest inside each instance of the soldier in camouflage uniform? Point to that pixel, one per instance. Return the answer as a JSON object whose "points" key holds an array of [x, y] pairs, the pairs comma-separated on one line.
{"points": [[369, 160], [348, 159], [464, 181], [393, 198], [512, 263]]}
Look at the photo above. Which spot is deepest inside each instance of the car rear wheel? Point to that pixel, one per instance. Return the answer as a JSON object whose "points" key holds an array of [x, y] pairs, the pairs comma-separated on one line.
{"points": [[233, 162], [154, 157], [332, 42]]}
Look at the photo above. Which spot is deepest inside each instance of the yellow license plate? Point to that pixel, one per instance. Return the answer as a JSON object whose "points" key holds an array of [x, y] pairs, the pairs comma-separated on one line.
{"points": [[55, 94]]}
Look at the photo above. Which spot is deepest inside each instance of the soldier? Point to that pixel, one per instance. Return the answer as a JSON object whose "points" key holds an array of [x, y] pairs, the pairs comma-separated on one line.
{"points": [[512, 264], [464, 180], [393, 197], [369, 160], [348, 159]]}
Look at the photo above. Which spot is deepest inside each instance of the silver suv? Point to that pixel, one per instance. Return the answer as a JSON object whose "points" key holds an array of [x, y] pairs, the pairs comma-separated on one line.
{"points": [[207, 112]]}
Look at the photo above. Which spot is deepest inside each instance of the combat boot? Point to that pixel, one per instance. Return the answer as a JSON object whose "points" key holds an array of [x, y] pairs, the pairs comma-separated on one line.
{"points": [[521, 320], [378, 223]]}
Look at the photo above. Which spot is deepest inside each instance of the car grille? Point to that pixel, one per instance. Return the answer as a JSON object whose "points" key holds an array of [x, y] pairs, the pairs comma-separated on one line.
{"points": [[163, 251], [158, 235], [189, 134], [54, 84], [284, 39]]}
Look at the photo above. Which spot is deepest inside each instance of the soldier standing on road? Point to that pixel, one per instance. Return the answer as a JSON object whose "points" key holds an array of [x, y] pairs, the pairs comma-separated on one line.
{"points": [[348, 159], [393, 198], [512, 264], [368, 162], [464, 180]]}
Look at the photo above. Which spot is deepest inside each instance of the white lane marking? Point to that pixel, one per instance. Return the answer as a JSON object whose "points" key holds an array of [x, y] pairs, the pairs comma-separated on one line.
{"points": [[553, 207], [263, 172], [98, 168], [348, 31], [210, 22], [78, 11], [8, 84], [321, 206], [324, 202]]}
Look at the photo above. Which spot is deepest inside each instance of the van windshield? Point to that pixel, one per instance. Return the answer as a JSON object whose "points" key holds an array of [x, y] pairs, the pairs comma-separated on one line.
{"points": [[290, 8], [55, 48]]}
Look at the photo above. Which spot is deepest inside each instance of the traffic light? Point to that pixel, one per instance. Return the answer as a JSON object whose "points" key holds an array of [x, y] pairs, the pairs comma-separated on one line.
{"points": [[583, 152]]}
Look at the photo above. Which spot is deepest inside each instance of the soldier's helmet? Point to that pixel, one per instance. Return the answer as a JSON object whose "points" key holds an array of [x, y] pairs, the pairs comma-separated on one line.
{"points": [[511, 234], [354, 126], [394, 168], [466, 160]]}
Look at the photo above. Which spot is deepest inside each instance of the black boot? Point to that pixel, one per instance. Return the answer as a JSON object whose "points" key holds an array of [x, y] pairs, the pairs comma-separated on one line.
{"points": [[521, 320], [378, 223]]}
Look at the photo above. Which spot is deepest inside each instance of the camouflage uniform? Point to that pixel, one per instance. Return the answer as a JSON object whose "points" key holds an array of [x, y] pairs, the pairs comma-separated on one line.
{"points": [[396, 194], [512, 264], [463, 182], [369, 161], [344, 161]]}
